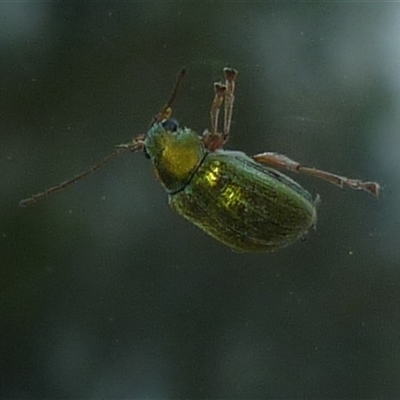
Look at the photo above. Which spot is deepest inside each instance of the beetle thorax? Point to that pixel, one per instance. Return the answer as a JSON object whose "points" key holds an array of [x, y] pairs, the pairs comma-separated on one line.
{"points": [[175, 154]]}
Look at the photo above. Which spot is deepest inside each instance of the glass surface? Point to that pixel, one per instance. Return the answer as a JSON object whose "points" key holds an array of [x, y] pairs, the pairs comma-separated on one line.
{"points": [[106, 293]]}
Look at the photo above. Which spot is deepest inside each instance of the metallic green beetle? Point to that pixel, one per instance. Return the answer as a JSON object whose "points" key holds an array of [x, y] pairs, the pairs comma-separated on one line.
{"points": [[238, 200]]}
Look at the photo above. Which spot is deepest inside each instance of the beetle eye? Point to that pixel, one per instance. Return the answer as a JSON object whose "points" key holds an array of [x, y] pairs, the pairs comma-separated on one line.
{"points": [[170, 125]]}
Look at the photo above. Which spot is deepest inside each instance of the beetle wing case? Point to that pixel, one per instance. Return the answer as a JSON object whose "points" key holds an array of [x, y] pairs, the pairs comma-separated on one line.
{"points": [[247, 206]]}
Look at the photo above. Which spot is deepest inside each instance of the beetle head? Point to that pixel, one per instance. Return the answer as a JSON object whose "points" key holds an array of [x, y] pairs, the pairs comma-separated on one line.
{"points": [[175, 152]]}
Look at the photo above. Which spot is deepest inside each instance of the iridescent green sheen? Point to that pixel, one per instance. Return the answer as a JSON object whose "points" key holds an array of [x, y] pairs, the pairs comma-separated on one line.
{"points": [[175, 155], [249, 207]]}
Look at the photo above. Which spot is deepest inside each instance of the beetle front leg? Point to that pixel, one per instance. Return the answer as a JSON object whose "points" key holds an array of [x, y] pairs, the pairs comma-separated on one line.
{"points": [[230, 77], [220, 90], [281, 161], [214, 140]]}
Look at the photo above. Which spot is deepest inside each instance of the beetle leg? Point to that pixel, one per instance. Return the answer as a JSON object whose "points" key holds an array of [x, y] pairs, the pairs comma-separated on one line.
{"points": [[214, 140], [135, 145], [230, 76], [281, 161], [220, 90]]}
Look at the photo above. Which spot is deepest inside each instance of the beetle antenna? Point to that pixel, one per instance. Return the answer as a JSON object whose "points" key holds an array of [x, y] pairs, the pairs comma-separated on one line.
{"points": [[166, 111], [134, 145]]}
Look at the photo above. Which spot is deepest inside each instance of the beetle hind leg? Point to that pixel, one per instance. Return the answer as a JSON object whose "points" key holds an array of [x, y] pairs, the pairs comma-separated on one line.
{"points": [[280, 161]]}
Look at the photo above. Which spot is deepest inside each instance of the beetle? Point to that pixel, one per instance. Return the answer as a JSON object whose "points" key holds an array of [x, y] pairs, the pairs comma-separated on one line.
{"points": [[242, 201]]}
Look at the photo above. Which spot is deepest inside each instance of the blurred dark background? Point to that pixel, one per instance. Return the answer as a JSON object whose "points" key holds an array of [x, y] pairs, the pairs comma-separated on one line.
{"points": [[106, 293]]}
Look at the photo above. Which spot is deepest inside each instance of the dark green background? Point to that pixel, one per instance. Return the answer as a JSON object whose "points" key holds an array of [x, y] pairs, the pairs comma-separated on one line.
{"points": [[106, 293]]}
